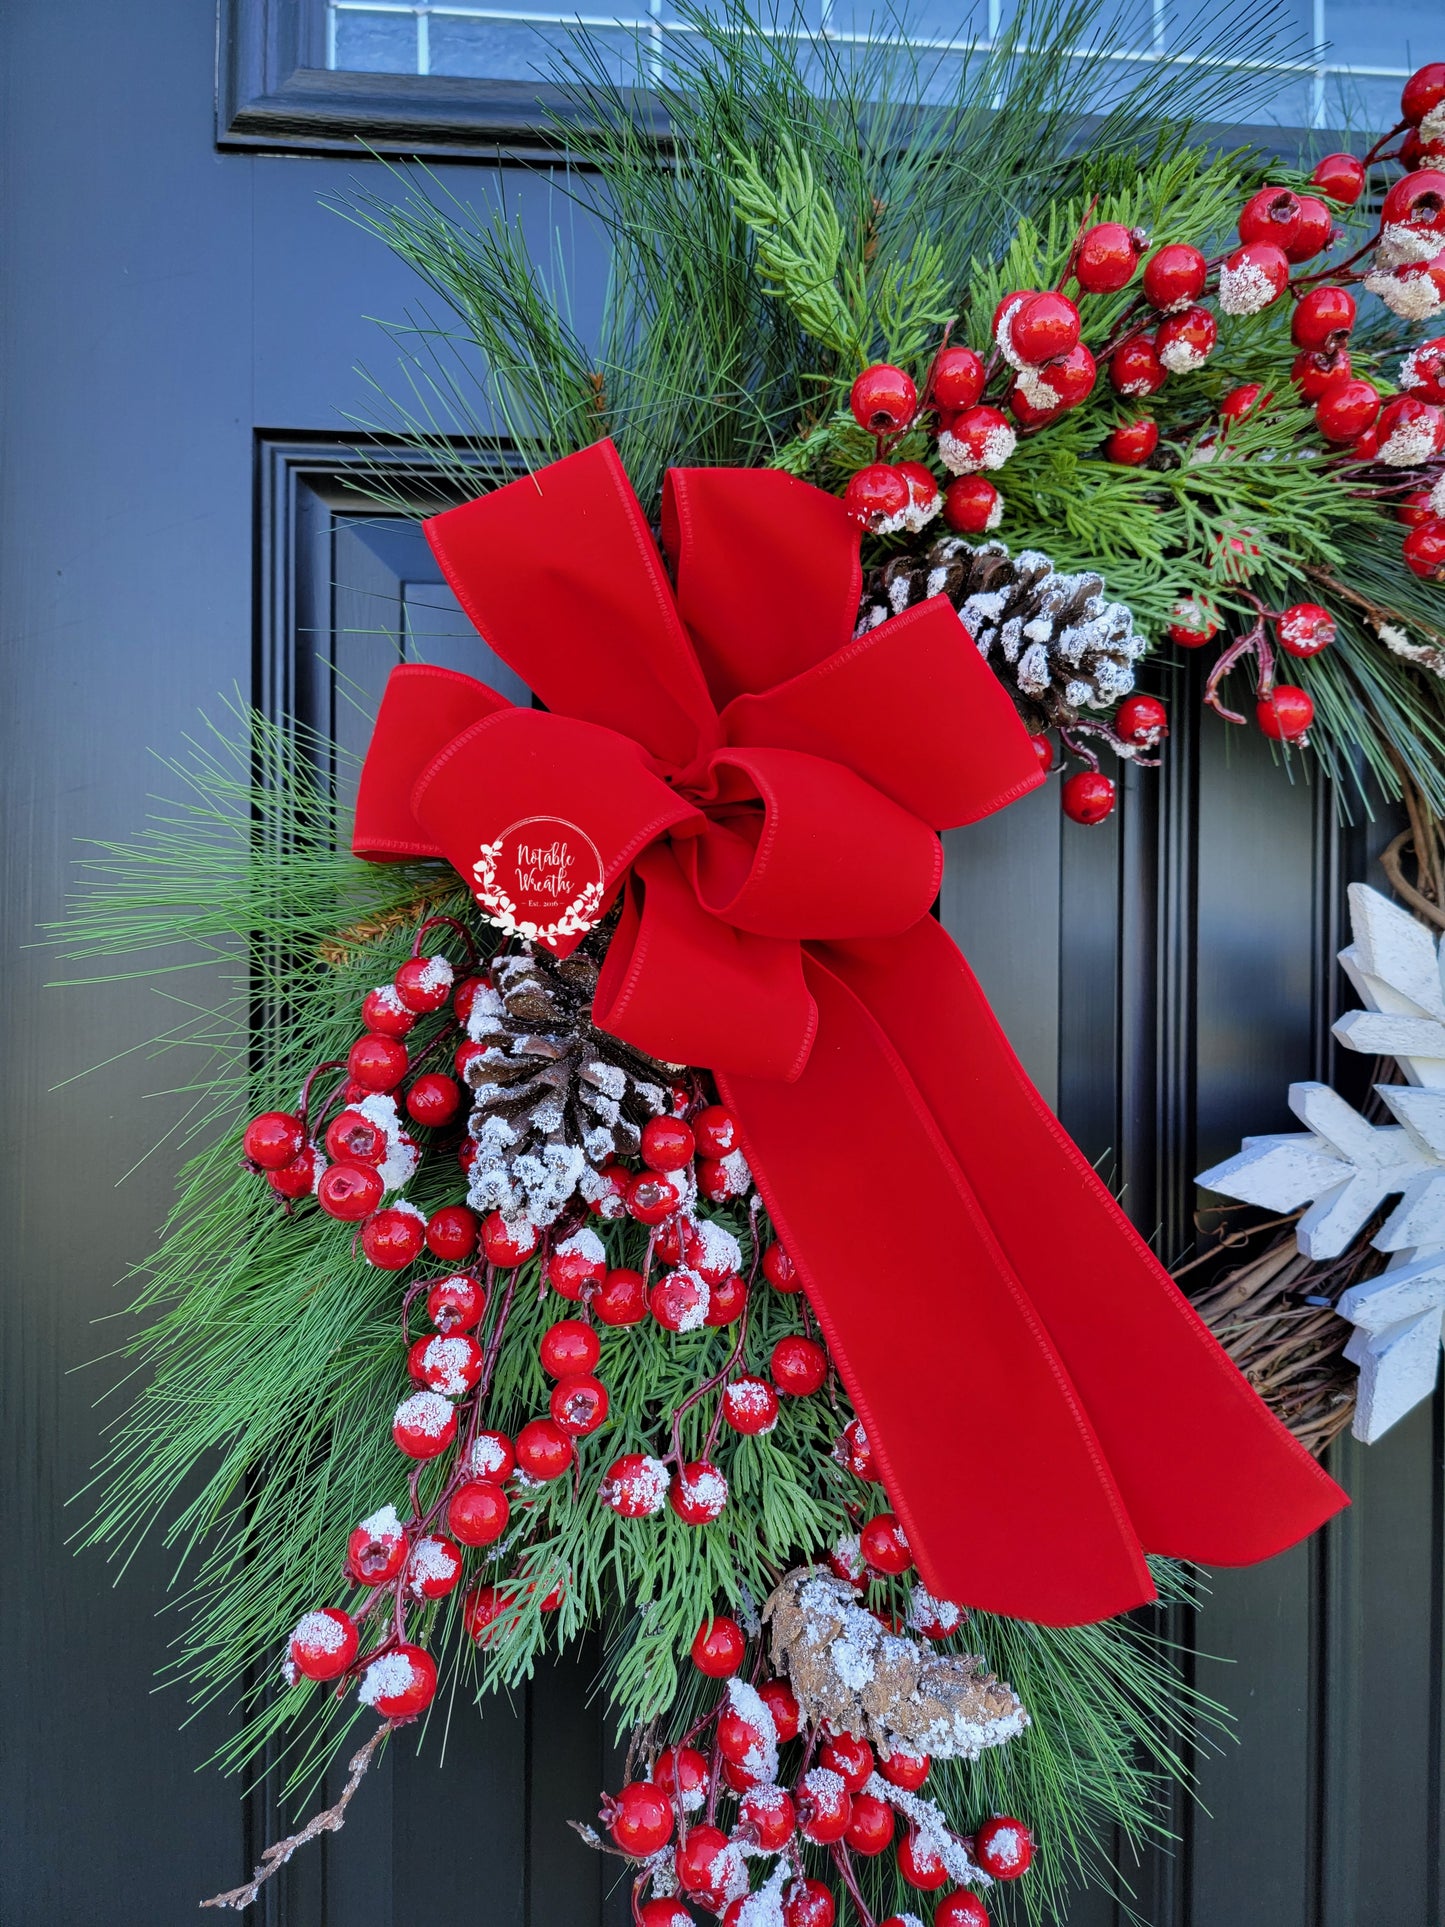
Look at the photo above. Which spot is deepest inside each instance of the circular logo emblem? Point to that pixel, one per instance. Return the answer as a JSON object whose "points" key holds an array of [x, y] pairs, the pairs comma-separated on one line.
{"points": [[541, 880]]}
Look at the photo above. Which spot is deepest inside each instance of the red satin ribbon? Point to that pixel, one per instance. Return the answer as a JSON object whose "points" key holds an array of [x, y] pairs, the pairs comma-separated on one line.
{"points": [[766, 791]]}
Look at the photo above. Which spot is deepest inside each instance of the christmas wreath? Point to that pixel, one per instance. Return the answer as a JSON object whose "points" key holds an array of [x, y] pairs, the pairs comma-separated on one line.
{"points": [[641, 1219]]}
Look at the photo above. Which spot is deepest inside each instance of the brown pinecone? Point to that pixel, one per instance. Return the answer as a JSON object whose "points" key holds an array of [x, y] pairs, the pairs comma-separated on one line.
{"points": [[847, 1668], [1052, 639], [553, 1096]]}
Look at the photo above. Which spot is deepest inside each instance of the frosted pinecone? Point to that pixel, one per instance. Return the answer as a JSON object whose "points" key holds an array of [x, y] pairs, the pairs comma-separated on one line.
{"points": [[1055, 642], [553, 1097]]}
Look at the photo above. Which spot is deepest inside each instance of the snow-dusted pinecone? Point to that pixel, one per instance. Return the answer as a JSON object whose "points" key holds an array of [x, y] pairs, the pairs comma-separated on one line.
{"points": [[1055, 642], [553, 1096]]}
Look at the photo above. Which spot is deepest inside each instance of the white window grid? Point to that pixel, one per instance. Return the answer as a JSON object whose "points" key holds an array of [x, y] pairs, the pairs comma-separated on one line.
{"points": [[649, 20]]}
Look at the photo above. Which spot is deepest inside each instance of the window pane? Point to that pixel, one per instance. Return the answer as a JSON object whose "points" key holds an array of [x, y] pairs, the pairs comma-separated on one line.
{"points": [[518, 48], [373, 43]]}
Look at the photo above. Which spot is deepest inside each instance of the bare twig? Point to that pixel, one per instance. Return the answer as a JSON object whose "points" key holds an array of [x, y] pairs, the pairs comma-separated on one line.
{"points": [[331, 1820]]}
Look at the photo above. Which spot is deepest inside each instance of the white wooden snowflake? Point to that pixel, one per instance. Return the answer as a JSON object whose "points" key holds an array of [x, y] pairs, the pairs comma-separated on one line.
{"points": [[1344, 1168]]}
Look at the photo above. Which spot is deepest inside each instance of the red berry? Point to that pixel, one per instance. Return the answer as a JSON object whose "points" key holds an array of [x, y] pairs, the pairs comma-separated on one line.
{"points": [[579, 1404], [1174, 277], [1417, 202], [1133, 442], [1029, 413], [1135, 368], [769, 1815], [640, 1819], [576, 1264], [1414, 508], [478, 1513], [906, 1770], [961, 1908], [854, 1451], [482, 1609], [664, 1913], [434, 1568], [741, 1741], [1304, 629], [1194, 624], [651, 1198], [350, 1192], [699, 1493], [324, 1643], [1253, 278], [635, 1486], [718, 1647], [883, 399], [1321, 316], [376, 1063], [782, 1703], [1346, 409], [1072, 376], [808, 1903], [1089, 797], [779, 1269], [1313, 232], [1422, 372], [1041, 328], [884, 1544], [798, 1365], [716, 1131], [1142, 720], [450, 1363], [377, 1549], [465, 995], [679, 1301], [1240, 403], [394, 1238], [823, 1804], [924, 499], [870, 1825], [726, 1300], [972, 505], [1341, 177], [1411, 432], [490, 1456], [354, 1138], [1285, 714], [1296, 224], [424, 1425], [980, 437], [543, 1450], [424, 983], [508, 1244], [1317, 369], [850, 1758], [300, 1177], [957, 380], [696, 1858], [1003, 1847], [569, 1346], [1044, 750], [621, 1298], [1184, 342], [401, 1684], [1424, 554], [681, 1771], [667, 1144], [382, 1010], [1107, 256], [434, 1100], [919, 1865], [877, 498], [1423, 92], [451, 1234], [273, 1139]]}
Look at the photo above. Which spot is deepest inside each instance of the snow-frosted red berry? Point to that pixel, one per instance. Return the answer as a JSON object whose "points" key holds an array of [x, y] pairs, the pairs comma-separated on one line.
{"points": [[478, 1513], [449, 1363], [464, 995], [716, 1131], [1142, 721], [808, 1903], [718, 1645], [376, 1550], [324, 1643], [640, 1819], [699, 1493], [424, 983], [750, 1406], [490, 1456], [850, 1758], [1285, 714], [1253, 278], [376, 1063], [1341, 177], [1423, 92], [635, 1486], [273, 1139], [877, 498], [679, 1301], [434, 1568], [667, 1144], [782, 1702], [659, 1912], [1422, 372], [1003, 1847], [961, 1908], [980, 437], [401, 1684], [1185, 341], [651, 1198], [434, 1099], [870, 1825], [854, 1451], [957, 380], [1133, 442], [1304, 629], [919, 1865], [354, 1138], [579, 1404], [424, 1425], [456, 1304], [1410, 432], [1107, 256], [1135, 368], [884, 1544], [1321, 317], [1416, 202], [575, 1265], [394, 1238], [569, 1346], [299, 1178], [1424, 550], [383, 1011], [823, 1804], [697, 1858], [1195, 622], [681, 1772], [1088, 797], [543, 1450], [883, 399], [508, 1243], [798, 1365], [350, 1192], [621, 1298], [768, 1814], [1174, 277], [972, 505]]}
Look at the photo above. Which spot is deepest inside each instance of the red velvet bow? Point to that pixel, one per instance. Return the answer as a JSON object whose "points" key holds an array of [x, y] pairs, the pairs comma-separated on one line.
{"points": [[766, 790]]}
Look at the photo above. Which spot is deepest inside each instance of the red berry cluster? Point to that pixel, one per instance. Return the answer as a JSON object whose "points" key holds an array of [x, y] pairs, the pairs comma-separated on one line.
{"points": [[789, 1784]]}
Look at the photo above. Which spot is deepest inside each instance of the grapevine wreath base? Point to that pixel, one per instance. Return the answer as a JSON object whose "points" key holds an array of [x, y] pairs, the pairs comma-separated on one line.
{"points": [[658, 1232]]}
